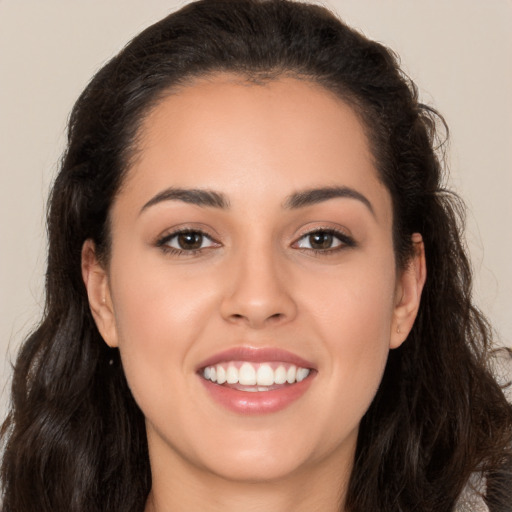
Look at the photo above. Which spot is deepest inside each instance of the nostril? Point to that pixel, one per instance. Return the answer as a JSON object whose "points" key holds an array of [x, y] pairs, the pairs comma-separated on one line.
{"points": [[276, 317]]}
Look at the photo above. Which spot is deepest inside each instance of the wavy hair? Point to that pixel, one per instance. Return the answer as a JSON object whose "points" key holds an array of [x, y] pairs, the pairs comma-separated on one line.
{"points": [[75, 440]]}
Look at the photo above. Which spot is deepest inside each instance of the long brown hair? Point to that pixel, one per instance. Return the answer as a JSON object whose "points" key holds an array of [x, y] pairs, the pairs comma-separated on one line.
{"points": [[75, 439]]}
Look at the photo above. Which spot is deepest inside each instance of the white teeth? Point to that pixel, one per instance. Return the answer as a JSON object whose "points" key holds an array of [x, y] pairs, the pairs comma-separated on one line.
{"points": [[261, 376], [280, 375], [265, 375], [221, 374], [232, 374], [302, 373], [247, 375]]}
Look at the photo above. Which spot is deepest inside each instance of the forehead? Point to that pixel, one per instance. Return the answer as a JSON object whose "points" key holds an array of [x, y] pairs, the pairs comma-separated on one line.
{"points": [[224, 133]]}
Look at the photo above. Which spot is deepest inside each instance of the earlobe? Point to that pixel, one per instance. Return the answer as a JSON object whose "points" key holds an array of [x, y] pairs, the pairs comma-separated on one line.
{"points": [[95, 278], [408, 293]]}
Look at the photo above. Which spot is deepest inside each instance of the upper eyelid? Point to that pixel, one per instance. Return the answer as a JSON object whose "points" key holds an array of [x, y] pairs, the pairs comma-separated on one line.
{"points": [[169, 234], [327, 229], [323, 228], [346, 239]]}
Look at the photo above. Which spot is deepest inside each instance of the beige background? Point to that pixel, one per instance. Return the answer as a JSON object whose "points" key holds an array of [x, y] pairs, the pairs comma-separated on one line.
{"points": [[458, 51]]}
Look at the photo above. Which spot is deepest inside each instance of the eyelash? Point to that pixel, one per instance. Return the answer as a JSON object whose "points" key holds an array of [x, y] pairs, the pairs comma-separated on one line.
{"points": [[345, 242]]}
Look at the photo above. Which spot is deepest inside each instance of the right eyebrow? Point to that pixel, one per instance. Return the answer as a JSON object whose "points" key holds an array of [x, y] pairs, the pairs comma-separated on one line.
{"points": [[317, 195], [197, 196]]}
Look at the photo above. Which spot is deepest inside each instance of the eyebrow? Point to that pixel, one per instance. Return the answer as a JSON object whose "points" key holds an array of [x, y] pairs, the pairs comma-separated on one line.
{"points": [[197, 196], [301, 199], [317, 195]]}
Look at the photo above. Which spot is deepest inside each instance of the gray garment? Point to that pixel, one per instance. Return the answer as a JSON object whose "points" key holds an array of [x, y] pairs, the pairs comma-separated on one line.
{"points": [[471, 499]]}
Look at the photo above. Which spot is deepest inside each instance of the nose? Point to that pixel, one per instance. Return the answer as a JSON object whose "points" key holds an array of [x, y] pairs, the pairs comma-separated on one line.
{"points": [[256, 292]]}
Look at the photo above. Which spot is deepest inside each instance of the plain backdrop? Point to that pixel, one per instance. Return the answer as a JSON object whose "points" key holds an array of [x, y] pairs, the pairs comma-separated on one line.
{"points": [[459, 52]]}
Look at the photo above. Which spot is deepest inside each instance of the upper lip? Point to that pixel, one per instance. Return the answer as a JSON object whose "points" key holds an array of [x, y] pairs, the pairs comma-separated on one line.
{"points": [[256, 355]]}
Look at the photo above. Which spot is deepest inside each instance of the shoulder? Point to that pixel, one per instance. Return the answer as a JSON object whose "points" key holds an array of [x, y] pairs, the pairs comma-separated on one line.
{"points": [[472, 497]]}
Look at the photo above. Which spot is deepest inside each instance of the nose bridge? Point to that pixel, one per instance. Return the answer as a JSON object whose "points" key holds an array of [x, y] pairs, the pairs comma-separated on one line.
{"points": [[256, 293]]}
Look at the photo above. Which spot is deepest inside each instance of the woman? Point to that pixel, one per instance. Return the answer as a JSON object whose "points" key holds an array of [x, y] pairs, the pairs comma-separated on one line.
{"points": [[257, 294]]}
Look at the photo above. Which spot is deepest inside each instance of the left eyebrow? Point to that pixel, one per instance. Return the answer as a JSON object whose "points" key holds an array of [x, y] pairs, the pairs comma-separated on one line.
{"points": [[197, 196], [318, 195]]}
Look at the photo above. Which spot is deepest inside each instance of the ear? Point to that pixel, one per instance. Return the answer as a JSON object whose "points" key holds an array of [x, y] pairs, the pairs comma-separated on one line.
{"points": [[98, 291], [408, 293]]}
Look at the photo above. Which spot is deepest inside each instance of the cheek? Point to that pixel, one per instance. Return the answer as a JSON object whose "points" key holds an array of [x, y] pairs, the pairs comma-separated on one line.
{"points": [[353, 304], [351, 316], [155, 301], [159, 313]]}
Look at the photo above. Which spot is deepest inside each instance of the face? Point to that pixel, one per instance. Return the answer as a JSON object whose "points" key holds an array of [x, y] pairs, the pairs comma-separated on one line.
{"points": [[252, 288]]}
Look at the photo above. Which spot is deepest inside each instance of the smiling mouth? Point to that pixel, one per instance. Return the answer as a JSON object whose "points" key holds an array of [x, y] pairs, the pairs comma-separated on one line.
{"points": [[255, 377], [253, 381]]}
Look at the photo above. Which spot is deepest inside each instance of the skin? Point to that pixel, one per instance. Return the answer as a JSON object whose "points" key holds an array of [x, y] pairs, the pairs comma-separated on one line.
{"points": [[257, 284]]}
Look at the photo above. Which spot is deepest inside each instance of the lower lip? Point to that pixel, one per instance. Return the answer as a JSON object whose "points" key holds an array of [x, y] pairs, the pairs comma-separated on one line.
{"points": [[258, 402]]}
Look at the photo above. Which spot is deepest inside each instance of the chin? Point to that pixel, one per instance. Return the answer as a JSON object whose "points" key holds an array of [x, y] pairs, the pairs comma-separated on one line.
{"points": [[255, 467], [267, 455]]}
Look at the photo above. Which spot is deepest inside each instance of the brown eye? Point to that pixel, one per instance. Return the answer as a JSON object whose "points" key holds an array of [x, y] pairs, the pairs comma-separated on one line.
{"points": [[186, 241], [324, 240], [321, 240], [190, 241]]}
